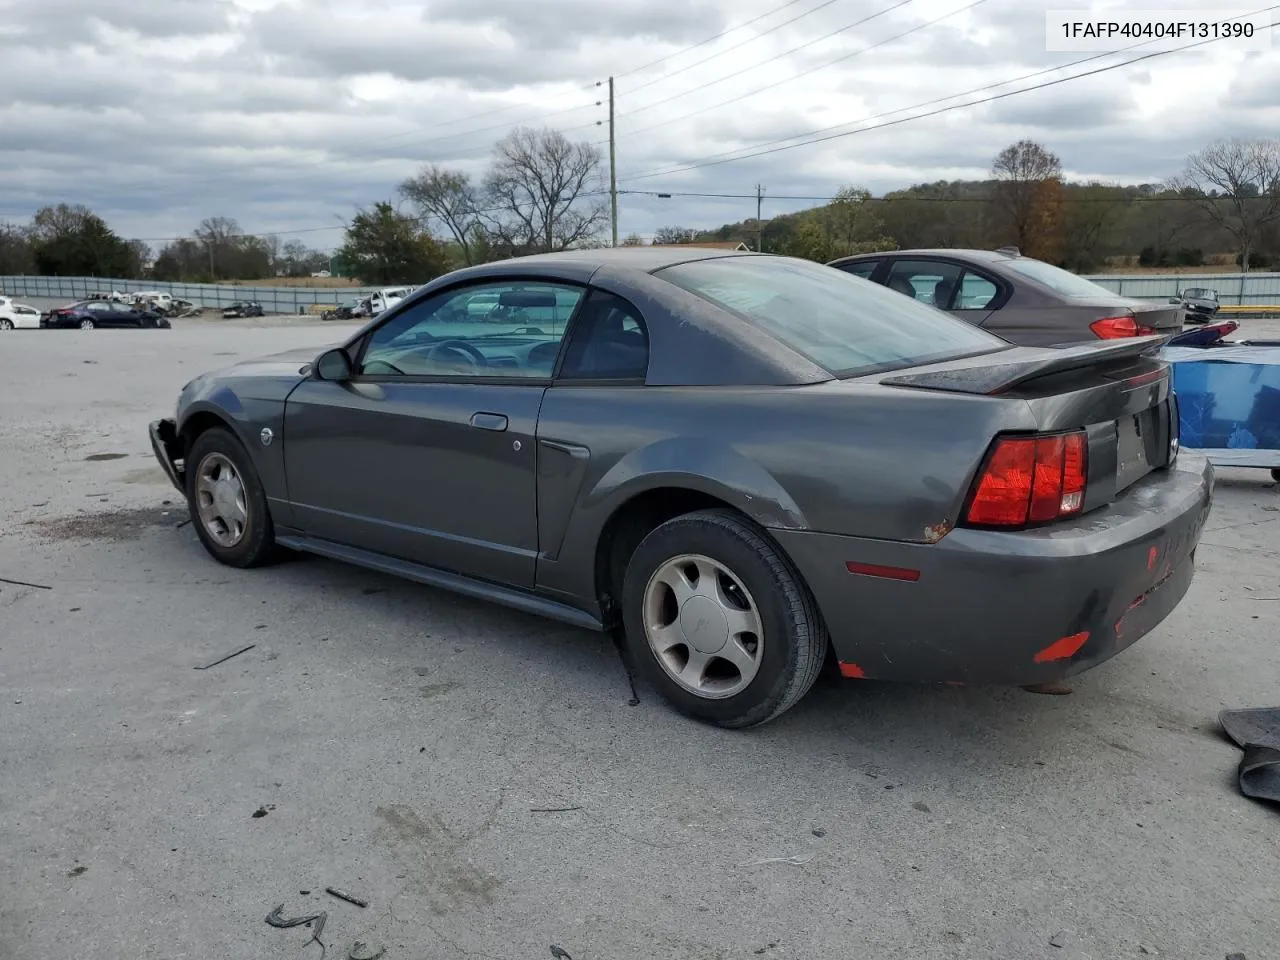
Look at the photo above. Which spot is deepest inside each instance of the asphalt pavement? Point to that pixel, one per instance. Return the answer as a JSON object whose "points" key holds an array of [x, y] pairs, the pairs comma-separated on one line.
{"points": [[482, 780]]}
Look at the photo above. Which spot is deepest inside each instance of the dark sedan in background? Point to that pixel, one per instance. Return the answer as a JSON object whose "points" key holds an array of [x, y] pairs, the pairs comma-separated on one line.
{"points": [[740, 462], [1201, 304], [1024, 300], [89, 314], [242, 308]]}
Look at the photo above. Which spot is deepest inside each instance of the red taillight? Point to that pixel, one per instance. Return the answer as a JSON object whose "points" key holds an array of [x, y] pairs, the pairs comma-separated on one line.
{"points": [[1116, 328], [1030, 480]]}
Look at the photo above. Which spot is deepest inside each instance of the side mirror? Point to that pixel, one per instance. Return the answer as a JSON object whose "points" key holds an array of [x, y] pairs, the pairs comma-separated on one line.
{"points": [[333, 365]]}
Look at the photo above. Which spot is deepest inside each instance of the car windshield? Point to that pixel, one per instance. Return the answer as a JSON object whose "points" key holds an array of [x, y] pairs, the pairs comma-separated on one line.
{"points": [[1055, 278], [847, 325], [1200, 293]]}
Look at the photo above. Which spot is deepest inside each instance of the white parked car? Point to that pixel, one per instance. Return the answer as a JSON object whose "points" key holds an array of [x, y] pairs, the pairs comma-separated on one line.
{"points": [[18, 316], [387, 298]]}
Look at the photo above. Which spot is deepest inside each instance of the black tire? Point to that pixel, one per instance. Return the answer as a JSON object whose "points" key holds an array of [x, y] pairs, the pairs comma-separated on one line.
{"points": [[256, 547], [795, 639], [1275, 475], [87, 324]]}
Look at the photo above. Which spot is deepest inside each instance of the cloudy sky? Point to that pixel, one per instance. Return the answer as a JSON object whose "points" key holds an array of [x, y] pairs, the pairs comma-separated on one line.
{"points": [[289, 115]]}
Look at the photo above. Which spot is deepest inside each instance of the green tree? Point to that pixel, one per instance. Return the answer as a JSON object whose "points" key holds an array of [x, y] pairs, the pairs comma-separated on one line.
{"points": [[384, 247], [73, 241], [15, 250]]}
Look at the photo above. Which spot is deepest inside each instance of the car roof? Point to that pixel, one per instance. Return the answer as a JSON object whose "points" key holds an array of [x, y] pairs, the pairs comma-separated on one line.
{"points": [[954, 253], [584, 263]]}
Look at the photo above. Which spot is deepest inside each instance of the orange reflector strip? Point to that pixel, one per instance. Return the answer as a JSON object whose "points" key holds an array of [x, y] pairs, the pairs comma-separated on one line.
{"points": [[886, 573], [852, 671], [1063, 649]]}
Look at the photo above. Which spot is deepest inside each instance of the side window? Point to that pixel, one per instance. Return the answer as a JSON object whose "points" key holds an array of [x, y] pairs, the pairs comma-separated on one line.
{"points": [[508, 329], [609, 341], [975, 292], [861, 268], [929, 281], [99, 306]]}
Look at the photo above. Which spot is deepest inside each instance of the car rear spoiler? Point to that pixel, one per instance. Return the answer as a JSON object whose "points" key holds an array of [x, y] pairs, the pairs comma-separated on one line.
{"points": [[988, 375]]}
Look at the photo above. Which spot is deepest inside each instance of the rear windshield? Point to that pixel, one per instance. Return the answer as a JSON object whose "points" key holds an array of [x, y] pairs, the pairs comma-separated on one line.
{"points": [[1055, 278], [846, 325]]}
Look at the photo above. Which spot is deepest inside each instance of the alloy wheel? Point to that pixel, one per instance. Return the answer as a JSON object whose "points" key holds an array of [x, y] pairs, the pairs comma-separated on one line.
{"points": [[703, 626], [220, 500]]}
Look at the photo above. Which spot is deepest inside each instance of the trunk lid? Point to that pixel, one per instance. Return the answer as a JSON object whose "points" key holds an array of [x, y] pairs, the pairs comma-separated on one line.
{"points": [[1164, 318], [1118, 391]]}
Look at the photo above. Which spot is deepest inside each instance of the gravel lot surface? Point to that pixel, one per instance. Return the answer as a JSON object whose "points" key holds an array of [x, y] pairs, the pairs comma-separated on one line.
{"points": [[480, 778]]}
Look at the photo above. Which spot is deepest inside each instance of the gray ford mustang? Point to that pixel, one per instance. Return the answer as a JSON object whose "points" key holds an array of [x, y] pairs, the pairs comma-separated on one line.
{"points": [[743, 462]]}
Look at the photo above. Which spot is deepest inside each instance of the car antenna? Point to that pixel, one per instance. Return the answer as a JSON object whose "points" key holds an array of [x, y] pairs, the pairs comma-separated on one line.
{"points": [[1010, 251]]}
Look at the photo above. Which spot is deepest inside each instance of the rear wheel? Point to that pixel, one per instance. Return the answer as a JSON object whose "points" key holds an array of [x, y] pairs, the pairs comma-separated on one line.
{"points": [[719, 622], [227, 502], [1275, 475], [87, 324]]}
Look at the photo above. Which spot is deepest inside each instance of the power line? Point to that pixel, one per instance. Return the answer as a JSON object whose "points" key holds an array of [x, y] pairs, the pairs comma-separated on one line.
{"points": [[905, 198], [711, 161], [703, 43], [786, 53], [803, 73], [721, 53]]}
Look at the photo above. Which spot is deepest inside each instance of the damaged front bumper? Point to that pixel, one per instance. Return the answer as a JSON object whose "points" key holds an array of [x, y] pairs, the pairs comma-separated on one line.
{"points": [[168, 450]]}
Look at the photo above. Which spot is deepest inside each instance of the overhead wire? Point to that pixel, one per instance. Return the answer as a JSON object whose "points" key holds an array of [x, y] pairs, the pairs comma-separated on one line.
{"points": [[804, 73], [720, 53], [703, 43], [714, 159]]}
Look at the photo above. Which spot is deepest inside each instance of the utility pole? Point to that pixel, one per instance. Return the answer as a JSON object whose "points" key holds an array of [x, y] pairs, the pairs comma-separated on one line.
{"points": [[759, 222], [613, 171]]}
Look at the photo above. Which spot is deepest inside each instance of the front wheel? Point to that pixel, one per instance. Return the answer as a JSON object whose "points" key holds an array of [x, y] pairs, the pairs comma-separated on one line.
{"points": [[719, 622], [227, 502], [1275, 475], [6, 324]]}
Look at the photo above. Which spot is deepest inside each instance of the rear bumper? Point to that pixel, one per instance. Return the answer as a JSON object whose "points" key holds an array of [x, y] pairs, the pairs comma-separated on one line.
{"points": [[1011, 608], [168, 450]]}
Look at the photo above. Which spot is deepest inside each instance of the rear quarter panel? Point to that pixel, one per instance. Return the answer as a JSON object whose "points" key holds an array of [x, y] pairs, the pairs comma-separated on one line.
{"points": [[849, 457]]}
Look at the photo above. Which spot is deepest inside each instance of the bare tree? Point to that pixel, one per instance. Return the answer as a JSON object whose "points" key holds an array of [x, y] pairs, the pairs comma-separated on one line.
{"points": [[1023, 195], [633, 240], [217, 234], [450, 197], [540, 187], [1236, 186], [668, 235], [272, 244]]}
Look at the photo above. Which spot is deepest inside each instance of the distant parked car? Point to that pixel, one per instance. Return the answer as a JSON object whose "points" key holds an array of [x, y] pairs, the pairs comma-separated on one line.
{"points": [[1201, 304], [1023, 300], [242, 308], [18, 316], [88, 314]]}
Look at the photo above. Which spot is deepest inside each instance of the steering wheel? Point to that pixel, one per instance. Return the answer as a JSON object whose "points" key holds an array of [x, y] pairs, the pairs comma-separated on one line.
{"points": [[544, 353], [473, 356]]}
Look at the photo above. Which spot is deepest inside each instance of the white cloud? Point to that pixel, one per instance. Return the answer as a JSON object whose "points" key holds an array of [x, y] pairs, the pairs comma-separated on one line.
{"points": [[290, 114]]}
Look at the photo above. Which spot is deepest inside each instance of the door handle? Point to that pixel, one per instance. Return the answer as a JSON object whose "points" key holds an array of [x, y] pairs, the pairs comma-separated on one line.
{"points": [[489, 421]]}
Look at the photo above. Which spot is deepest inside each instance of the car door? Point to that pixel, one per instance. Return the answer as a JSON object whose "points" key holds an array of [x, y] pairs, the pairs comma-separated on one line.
{"points": [[100, 311], [427, 453]]}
